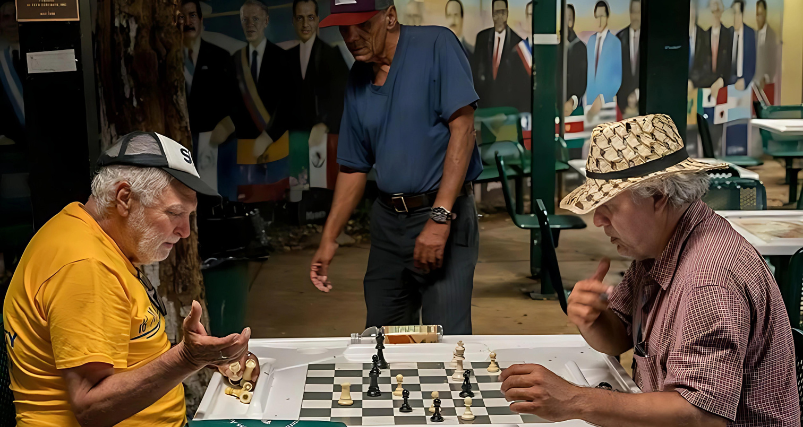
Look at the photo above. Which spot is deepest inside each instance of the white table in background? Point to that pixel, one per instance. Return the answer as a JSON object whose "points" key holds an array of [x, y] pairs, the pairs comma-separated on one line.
{"points": [[279, 391], [768, 246], [789, 127], [580, 166]]}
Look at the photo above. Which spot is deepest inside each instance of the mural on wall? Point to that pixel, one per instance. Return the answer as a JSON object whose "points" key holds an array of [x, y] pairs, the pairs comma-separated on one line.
{"points": [[265, 85], [734, 52]]}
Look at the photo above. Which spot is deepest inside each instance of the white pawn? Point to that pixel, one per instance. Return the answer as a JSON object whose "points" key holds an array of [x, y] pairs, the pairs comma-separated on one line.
{"points": [[468, 415], [345, 395], [493, 367], [435, 395], [399, 388], [458, 372]]}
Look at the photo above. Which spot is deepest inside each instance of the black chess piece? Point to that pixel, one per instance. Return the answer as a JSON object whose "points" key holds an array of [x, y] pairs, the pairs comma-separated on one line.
{"points": [[466, 387], [437, 417], [375, 360], [373, 388], [405, 405], [380, 345]]}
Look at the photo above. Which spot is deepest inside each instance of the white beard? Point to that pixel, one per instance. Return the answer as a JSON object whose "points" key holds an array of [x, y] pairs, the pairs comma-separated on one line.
{"points": [[149, 246]]}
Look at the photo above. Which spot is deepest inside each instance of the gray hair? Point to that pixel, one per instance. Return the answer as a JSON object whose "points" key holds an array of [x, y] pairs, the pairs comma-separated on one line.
{"points": [[258, 4], [147, 184], [680, 189]]}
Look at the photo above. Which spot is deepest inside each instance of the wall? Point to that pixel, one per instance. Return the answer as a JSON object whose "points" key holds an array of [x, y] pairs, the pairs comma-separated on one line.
{"points": [[792, 67]]}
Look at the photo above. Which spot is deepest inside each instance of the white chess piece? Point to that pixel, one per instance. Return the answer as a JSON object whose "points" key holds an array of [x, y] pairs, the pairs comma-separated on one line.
{"points": [[458, 352], [345, 395], [250, 364], [458, 372], [468, 415], [435, 395], [493, 367], [399, 388]]}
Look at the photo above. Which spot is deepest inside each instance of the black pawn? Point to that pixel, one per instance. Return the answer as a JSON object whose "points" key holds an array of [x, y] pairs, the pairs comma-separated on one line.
{"points": [[380, 345], [405, 405], [373, 389], [375, 367], [437, 417], [466, 387]]}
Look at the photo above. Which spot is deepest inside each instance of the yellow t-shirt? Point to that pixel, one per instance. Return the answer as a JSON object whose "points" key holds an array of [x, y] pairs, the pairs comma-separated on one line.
{"points": [[75, 299]]}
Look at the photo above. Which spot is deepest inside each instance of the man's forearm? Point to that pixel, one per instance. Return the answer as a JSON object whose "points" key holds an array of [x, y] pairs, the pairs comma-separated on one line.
{"points": [[120, 396], [458, 154], [607, 334], [348, 191], [667, 408]]}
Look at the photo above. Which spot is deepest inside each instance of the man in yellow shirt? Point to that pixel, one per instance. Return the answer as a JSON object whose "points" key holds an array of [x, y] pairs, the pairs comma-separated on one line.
{"points": [[85, 330]]}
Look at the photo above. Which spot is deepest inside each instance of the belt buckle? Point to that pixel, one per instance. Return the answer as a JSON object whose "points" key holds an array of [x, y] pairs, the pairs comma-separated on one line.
{"points": [[393, 202]]}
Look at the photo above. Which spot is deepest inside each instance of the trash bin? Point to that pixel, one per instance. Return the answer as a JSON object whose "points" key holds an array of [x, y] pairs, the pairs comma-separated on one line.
{"points": [[226, 281]]}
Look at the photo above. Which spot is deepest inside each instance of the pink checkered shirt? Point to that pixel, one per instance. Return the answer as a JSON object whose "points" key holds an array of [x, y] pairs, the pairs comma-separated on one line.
{"points": [[715, 327]]}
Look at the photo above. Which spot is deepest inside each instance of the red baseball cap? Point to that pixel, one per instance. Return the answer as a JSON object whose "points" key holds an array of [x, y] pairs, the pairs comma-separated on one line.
{"points": [[353, 12]]}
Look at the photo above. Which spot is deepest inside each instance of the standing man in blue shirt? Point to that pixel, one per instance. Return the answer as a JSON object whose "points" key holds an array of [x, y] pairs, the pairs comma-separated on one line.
{"points": [[409, 114]]}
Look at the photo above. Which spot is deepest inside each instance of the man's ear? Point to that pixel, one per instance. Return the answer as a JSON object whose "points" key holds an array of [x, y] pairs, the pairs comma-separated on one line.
{"points": [[123, 199], [660, 202], [391, 17]]}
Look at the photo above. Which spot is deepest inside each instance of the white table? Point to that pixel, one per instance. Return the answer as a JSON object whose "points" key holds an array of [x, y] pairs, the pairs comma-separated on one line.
{"points": [[789, 127], [280, 388], [580, 166], [760, 236]]}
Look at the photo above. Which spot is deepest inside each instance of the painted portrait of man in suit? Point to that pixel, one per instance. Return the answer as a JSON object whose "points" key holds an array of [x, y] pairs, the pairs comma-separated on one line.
{"points": [[627, 97], [743, 52], [766, 48], [719, 44], [501, 73], [206, 74], [414, 13], [260, 75], [454, 20], [698, 51], [604, 59], [318, 76], [576, 65]]}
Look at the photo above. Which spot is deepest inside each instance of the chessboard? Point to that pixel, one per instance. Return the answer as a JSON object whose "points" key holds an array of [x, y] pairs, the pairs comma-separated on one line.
{"points": [[322, 390]]}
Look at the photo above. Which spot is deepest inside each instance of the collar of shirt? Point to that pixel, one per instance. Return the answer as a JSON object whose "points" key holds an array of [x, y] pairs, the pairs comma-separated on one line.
{"points": [[260, 49], [762, 34], [601, 37], [305, 50], [662, 269], [500, 38], [715, 31], [196, 48]]}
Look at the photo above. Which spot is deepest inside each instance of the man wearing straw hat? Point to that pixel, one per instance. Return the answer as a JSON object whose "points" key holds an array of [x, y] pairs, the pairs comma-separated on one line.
{"points": [[711, 338]]}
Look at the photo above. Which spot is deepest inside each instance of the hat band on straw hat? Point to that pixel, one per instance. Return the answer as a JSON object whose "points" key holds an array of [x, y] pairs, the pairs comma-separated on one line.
{"points": [[643, 169]]}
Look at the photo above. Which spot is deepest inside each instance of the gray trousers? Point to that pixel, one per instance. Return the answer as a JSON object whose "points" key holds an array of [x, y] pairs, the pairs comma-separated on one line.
{"points": [[395, 290]]}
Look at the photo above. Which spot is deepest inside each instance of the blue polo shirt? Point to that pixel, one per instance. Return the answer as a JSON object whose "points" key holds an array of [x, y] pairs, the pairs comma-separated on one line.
{"points": [[402, 127]]}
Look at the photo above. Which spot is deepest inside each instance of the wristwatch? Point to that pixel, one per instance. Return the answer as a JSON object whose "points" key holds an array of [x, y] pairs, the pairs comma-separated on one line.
{"points": [[440, 215]]}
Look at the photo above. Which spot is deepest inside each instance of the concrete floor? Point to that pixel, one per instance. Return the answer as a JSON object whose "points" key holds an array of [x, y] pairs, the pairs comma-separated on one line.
{"points": [[283, 302]]}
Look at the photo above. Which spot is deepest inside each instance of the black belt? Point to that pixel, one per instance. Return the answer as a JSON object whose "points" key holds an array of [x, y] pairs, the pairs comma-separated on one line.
{"points": [[410, 203]]}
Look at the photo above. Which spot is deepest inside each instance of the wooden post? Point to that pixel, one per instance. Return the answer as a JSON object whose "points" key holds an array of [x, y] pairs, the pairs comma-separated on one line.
{"points": [[139, 67]]}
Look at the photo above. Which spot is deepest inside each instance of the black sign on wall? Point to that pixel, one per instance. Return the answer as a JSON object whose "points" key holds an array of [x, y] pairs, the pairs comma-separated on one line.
{"points": [[47, 10]]}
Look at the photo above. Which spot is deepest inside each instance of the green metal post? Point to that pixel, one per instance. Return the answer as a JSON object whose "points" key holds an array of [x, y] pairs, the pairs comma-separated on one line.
{"points": [[545, 53]]}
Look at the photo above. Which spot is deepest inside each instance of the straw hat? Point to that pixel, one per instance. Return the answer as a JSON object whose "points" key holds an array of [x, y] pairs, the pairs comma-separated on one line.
{"points": [[623, 154]]}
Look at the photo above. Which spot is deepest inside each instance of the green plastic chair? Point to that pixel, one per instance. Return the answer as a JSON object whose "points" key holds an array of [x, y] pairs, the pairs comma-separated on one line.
{"points": [[548, 225], [736, 194], [708, 147], [530, 221], [782, 146], [797, 337], [8, 413]]}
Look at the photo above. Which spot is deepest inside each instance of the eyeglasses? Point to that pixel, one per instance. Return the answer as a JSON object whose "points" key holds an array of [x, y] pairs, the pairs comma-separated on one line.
{"points": [[152, 295]]}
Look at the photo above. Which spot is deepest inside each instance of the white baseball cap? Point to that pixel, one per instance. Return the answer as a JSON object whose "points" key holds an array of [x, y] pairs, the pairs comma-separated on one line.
{"points": [[157, 151]]}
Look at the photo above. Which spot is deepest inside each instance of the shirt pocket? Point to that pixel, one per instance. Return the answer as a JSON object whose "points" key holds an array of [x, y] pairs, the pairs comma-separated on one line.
{"points": [[647, 373]]}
